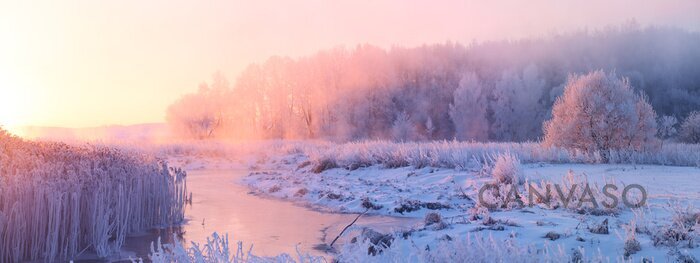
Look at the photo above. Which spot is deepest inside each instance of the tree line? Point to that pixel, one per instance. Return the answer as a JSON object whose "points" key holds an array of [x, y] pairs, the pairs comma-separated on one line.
{"points": [[490, 91]]}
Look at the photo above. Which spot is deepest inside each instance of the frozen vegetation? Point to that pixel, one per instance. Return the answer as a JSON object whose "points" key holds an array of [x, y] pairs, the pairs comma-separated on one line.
{"points": [[466, 139], [461, 155], [474, 198], [690, 129], [218, 249], [60, 202], [473, 248], [483, 91], [457, 224], [398, 179], [599, 112]]}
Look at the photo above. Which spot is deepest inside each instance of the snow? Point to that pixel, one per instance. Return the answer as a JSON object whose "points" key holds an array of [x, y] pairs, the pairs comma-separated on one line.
{"points": [[662, 183], [670, 188]]}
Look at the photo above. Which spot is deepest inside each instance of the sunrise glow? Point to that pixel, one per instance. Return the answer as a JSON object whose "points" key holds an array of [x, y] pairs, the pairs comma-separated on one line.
{"points": [[313, 131], [14, 103], [87, 59]]}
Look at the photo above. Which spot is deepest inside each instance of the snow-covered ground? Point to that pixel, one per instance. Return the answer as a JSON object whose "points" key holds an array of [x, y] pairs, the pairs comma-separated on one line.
{"points": [[673, 192]]}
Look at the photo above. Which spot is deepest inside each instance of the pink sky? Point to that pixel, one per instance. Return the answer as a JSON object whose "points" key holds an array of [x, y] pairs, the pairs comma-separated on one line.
{"points": [[91, 63]]}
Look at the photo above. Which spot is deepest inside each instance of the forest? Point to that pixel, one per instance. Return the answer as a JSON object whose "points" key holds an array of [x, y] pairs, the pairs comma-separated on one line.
{"points": [[488, 91]]}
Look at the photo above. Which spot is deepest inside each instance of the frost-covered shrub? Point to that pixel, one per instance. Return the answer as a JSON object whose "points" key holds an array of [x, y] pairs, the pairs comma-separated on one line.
{"points": [[403, 128], [690, 129], [474, 155], [574, 193], [217, 250], [325, 164], [603, 228], [681, 231], [57, 200], [507, 169], [432, 218], [503, 192], [472, 248], [632, 245], [434, 221], [599, 112], [667, 127]]}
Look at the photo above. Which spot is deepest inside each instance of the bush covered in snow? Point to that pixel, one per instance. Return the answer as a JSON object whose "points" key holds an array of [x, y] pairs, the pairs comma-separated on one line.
{"points": [[507, 169], [472, 248], [402, 129], [58, 200], [599, 112], [217, 250], [667, 127], [690, 129], [682, 229]]}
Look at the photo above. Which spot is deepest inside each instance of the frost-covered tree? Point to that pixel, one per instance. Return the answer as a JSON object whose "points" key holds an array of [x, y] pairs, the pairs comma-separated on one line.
{"points": [[403, 129], [690, 129], [667, 126], [429, 128], [356, 93], [599, 112], [529, 106], [203, 114], [517, 112], [468, 110]]}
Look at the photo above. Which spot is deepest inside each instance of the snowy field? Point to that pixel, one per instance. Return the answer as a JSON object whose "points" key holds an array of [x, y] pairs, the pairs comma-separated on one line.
{"points": [[448, 199], [433, 189]]}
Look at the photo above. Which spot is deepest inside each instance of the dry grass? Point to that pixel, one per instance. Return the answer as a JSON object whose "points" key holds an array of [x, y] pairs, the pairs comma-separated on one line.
{"points": [[474, 155], [57, 201]]}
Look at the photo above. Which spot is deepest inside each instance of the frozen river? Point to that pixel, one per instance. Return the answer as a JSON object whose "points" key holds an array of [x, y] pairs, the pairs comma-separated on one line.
{"points": [[221, 204]]}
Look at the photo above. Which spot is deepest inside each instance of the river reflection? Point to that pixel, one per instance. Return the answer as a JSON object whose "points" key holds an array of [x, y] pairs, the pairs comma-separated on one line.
{"points": [[220, 204]]}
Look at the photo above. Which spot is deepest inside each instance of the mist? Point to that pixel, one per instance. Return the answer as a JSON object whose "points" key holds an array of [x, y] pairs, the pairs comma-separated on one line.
{"points": [[86, 64], [349, 131], [490, 91]]}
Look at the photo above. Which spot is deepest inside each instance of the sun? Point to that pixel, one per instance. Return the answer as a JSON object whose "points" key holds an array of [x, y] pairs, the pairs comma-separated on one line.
{"points": [[12, 110], [9, 119]]}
